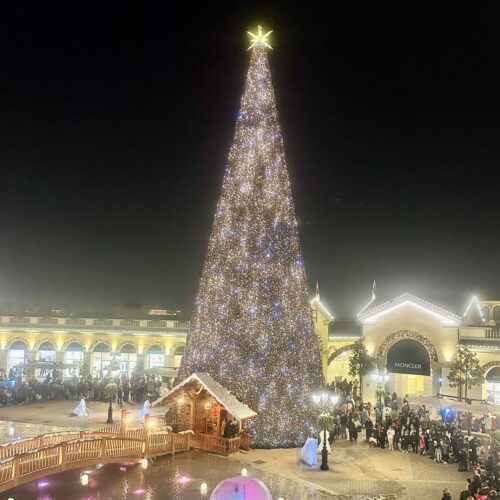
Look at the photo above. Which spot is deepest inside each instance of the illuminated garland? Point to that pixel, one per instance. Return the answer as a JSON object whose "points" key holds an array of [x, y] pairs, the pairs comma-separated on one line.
{"points": [[252, 328]]}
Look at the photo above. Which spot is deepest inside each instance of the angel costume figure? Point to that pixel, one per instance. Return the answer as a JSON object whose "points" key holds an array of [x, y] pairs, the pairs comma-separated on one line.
{"points": [[81, 409], [320, 447], [145, 409], [308, 452]]}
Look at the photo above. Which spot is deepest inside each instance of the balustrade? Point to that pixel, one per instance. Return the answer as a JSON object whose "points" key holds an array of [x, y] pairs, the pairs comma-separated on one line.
{"points": [[25, 460], [218, 445]]}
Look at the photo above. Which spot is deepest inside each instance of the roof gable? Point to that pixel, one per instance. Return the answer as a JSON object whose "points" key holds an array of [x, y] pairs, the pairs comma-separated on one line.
{"points": [[473, 315], [370, 315], [316, 302], [236, 408]]}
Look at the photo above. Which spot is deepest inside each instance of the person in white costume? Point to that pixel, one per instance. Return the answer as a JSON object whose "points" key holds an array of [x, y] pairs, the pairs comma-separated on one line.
{"points": [[146, 408], [320, 447], [81, 409], [308, 452]]}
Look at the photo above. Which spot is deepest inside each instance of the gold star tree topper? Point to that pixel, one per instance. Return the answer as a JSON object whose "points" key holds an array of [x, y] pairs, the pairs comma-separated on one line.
{"points": [[259, 38]]}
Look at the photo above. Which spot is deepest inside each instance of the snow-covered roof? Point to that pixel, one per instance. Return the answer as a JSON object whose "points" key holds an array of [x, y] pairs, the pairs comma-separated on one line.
{"points": [[236, 408]]}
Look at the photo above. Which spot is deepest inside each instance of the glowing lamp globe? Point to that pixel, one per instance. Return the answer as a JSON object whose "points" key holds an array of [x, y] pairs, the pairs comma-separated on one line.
{"points": [[84, 479], [203, 488], [244, 471], [234, 487], [144, 463]]}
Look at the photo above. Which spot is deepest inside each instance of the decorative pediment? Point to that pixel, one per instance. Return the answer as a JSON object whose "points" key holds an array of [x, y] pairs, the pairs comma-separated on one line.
{"points": [[372, 315], [390, 340]]}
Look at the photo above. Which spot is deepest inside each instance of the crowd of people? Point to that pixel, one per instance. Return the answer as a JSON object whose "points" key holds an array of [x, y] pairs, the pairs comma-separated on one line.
{"points": [[445, 437], [20, 387]]}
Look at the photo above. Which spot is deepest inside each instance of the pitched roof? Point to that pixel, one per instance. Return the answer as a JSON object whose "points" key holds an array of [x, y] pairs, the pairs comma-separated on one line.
{"points": [[473, 315], [236, 408], [372, 312], [317, 302], [345, 328]]}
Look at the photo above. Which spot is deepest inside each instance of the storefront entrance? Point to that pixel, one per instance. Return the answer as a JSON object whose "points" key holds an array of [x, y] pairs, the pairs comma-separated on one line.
{"points": [[413, 385], [409, 363]]}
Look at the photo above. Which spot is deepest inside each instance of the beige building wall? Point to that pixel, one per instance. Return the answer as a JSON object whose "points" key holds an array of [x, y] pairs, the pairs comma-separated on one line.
{"points": [[408, 317], [322, 318], [415, 321]]}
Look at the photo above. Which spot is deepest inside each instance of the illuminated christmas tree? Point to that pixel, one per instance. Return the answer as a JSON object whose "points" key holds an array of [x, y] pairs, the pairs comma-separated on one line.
{"points": [[252, 328]]}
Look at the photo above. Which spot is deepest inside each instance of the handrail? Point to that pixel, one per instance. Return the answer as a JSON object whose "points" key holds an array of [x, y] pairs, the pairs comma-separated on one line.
{"points": [[10, 449], [152, 424], [88, 450], [462, 398], [73, 441], [218, 445]]}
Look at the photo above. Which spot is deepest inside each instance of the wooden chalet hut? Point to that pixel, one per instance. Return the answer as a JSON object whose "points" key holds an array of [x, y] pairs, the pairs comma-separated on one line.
{"points": [[201, 404]]}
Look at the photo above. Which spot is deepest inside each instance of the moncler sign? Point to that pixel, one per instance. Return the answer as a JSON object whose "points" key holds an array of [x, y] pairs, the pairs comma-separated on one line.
{"points": [[408, 356], [413, 366]]}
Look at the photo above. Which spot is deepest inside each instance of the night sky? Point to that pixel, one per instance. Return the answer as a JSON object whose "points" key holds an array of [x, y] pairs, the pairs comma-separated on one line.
{"points": [[116, 122]]}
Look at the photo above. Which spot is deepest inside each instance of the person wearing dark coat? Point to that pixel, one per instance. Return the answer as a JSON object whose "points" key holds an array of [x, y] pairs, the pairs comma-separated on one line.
{"points": [[475, 484], [353, 431], [228, 430], [369, 428], [446, 494]]}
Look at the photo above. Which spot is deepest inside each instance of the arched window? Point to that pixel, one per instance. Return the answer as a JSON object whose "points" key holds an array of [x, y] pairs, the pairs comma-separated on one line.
{"points": [[496, 314], [493, 385], [179, 352], [155, 357], [485, 310], [74, 356], [17, 354], [46, 353], [101, 358], [128, 359]]}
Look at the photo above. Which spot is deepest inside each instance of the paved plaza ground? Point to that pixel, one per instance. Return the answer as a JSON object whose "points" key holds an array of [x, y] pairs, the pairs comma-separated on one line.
{"points": [[58, 413], [356, 471]]}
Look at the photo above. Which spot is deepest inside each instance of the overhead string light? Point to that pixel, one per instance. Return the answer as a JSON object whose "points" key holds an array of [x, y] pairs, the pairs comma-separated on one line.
{"points": [[252, 327]]}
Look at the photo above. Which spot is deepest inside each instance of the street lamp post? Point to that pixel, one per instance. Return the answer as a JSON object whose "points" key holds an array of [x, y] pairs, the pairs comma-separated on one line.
{"points": [[114, 371], [381, 381], [323, 400]]}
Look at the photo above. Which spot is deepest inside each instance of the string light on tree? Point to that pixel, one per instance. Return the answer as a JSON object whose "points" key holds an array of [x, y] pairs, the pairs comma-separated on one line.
{"points": [[252, 328]]}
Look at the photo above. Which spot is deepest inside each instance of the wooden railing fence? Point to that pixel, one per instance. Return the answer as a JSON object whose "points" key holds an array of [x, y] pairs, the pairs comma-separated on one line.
{"points": [[84, 452], [29, 459], [216, 444]]}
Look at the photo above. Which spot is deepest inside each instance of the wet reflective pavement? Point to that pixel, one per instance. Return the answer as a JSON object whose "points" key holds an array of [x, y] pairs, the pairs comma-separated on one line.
{"points": [[24, 430], [168, 477]]}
